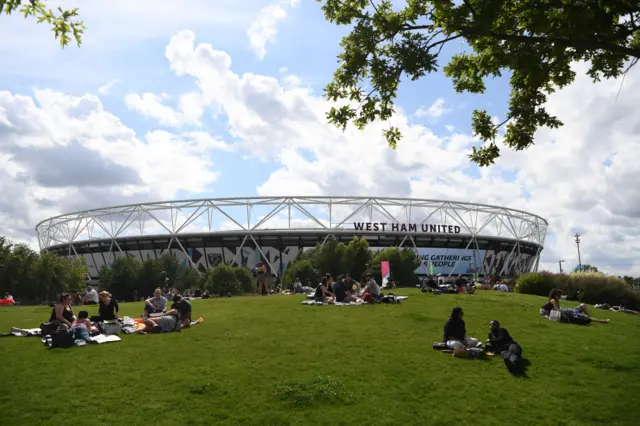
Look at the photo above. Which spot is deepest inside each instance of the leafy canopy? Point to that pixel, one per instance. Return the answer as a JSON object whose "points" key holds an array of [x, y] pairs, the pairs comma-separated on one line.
{"points": [[534, 40], [64, 23]]}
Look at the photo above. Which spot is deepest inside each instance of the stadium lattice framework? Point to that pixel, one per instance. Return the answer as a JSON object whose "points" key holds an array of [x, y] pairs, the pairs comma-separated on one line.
{"points": [[205, 232]]}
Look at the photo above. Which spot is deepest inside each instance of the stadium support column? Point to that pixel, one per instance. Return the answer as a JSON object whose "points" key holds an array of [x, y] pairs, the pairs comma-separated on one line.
{"points": [[417, 254], [458, 260]]}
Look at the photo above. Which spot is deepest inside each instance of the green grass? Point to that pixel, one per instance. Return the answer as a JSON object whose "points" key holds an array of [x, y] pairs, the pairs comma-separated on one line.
{"points": [[271, 360]]}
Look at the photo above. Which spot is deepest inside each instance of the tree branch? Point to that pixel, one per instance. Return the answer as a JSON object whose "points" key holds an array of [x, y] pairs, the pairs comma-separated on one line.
{"points": [[473, 12], [577, 44]]}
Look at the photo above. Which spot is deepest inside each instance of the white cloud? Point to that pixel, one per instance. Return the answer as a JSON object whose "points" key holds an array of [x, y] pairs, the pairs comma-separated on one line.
{"points": [[189, 111], [561, 178], [579, 176], [105, 89], [61, 153], [264, 28], [436, 110]]}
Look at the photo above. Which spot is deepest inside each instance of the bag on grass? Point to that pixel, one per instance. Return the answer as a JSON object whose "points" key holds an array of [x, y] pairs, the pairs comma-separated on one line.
{"points": [[47, 328], [62, 338], [439, 346], [554, 315]]}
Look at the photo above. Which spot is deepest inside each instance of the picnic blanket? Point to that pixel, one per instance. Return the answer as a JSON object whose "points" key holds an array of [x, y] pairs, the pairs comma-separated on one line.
{"points": [[99, 339], [313, 302], [22, 332]]}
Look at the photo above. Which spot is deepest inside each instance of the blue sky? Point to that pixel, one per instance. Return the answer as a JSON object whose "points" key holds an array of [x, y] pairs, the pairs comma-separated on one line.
{"points": [[269, 129]]}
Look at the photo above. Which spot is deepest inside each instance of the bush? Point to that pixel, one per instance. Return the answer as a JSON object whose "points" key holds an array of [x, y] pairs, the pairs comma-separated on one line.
{"points": [[403, 263], [245, 279], [540, 284], [302, 269], [593, 287], [598, 288], [223, 280]]}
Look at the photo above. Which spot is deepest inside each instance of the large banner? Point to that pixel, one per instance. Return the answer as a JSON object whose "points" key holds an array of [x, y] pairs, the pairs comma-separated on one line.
{"points": [[445, 261], [386, 272]]}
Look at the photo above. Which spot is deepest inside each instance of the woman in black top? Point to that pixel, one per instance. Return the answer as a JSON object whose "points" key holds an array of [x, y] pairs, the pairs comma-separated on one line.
{"points": [[63, 312], [109, 308], [455, 331]]}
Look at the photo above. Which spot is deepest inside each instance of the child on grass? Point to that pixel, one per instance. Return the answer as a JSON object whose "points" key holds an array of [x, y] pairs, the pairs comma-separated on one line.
{"points": [[81, 326]]}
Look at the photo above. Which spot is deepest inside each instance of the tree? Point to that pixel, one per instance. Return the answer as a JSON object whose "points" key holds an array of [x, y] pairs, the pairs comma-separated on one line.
{"points": [[222, 280], [245, 279], [402, 262], [585, 268], [534, 41], [302, 269], [121, 278], [64, 23]]}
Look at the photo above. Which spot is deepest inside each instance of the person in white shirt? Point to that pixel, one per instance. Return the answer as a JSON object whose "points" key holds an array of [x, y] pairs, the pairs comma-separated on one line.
{"points": [[156, 304], [91, 298], [371, 290]]}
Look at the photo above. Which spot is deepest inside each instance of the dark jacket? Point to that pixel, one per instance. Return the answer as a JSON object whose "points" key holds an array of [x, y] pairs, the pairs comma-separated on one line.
{"points": [[500, 339], [454, 330]]}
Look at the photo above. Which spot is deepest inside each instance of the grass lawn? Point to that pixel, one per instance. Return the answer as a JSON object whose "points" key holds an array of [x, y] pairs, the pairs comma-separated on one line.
{"points": [[375, 366]]}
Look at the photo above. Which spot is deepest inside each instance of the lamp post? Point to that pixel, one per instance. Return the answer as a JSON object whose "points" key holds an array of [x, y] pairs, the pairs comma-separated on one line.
{"points": [[560, 262], [578, 245]]}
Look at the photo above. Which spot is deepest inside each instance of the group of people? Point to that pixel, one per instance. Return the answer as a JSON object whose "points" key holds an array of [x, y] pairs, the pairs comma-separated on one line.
{"points": [[499, 341], [344, 290], [156, 316]]}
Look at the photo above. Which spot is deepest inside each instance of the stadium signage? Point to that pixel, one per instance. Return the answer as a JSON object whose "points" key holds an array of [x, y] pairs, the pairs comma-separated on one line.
{"points": [[405, 227]]}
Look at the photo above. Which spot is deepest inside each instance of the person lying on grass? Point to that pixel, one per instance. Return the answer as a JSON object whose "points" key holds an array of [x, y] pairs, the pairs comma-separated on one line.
{"points": [[168, 321], [577, 315], [455, 331], [183, 308], [156, 304], [501, 342]]}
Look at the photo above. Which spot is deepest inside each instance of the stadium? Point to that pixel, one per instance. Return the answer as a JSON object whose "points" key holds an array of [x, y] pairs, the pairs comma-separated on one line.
{"points": [[450, 237]]}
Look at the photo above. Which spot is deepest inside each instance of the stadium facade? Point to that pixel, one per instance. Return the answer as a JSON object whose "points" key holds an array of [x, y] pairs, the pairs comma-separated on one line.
{"points": [[450, 237]]}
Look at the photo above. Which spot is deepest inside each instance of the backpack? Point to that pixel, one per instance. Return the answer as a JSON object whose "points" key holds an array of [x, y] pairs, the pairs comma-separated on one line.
{"points": [[62, 338], [46, 328]]}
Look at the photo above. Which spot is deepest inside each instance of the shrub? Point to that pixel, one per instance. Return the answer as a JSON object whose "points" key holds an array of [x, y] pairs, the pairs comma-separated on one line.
{"points": [[593, 287], [245, 279], [302, 269], [540, 284], [223, 280], [598, 288]]}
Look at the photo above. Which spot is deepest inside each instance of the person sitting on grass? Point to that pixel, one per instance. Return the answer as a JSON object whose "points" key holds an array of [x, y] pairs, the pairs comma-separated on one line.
{"points": [[501, 342], [156, 304], [91, 298], [322, 294], [352, 285], [577, 315], [62, 313], [455, 332], [81, 326], [108, 310], [183, 307], [371, 290]]}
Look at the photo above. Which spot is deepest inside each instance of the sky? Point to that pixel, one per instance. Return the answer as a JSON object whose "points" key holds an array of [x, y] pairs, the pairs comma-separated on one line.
{"points": [[191, 99]]}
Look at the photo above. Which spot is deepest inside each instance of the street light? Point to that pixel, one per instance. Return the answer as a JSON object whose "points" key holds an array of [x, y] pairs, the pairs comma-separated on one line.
{"points": [[560, 262], [578, 245]]}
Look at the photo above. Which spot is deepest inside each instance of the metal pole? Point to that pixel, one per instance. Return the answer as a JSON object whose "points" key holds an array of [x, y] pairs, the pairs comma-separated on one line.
{"points": [[560, 264], [578, 245]]}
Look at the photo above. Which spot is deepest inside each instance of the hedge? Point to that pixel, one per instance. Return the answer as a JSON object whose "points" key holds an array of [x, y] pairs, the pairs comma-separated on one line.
{"points": [[593, 287]]}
